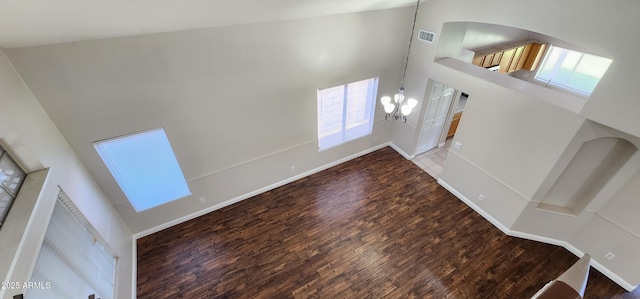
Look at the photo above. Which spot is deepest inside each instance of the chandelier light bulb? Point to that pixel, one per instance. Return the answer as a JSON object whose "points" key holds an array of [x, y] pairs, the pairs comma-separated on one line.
{"points": [[388, 108], [412, 103], [398, 97], [406, 110]]}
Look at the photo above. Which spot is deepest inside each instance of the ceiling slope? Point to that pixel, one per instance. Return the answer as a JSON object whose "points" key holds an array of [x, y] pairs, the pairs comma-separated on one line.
{"points": [[30, 22]]}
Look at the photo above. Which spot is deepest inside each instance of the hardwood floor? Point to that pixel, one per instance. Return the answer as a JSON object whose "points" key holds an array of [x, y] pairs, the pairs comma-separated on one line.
{"points": [[374, 227]]}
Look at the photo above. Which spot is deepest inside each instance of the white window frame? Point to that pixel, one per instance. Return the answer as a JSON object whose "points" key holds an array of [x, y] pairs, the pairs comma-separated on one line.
{"points": [[557, 66], [348, 130], [12, 177]]}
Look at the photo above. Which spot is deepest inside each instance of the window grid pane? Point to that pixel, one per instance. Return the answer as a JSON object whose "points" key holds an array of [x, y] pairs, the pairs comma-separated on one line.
{"points": [[549, 64], [11, 179], [10, 174], [5, 204], [357, 108], [588, 72], [330, 111]]}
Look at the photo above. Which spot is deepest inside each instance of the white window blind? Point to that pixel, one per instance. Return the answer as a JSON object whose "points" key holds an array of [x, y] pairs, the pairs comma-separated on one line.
{"points": [[346, 112], [73, 261], [572, 70]]}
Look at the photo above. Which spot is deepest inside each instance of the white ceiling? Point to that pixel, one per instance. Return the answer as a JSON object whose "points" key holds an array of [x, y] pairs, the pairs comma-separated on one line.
{"points": [[33, 22]]}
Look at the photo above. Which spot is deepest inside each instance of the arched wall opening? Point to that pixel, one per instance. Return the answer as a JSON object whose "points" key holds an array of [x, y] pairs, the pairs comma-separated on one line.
{"points": [[590, 169]]}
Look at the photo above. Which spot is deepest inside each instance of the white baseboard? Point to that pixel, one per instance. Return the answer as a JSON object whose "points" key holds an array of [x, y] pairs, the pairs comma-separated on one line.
{"points": [[476, 208], [513, 233], [608, 273], [134, 268], [400, 151]]}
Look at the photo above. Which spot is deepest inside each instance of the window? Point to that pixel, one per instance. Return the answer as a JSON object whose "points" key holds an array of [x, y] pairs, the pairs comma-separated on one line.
{"points": [[145, 167], [11, 178], [74, 261], [572, 70], [346, 112]]}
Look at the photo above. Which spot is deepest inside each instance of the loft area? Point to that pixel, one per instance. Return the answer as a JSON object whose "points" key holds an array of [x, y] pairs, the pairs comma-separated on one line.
{"points": [[529, 56], [510, 57]]}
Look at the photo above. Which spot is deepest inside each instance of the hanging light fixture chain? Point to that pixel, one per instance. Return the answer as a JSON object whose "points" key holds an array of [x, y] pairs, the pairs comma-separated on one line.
{"points": [[398, 108], [413, 28]]}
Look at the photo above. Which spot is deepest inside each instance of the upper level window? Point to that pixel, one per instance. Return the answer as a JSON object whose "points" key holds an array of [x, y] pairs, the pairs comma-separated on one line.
{"points": [[11, 178], [346, 112], [145, 167], [572, 70]]}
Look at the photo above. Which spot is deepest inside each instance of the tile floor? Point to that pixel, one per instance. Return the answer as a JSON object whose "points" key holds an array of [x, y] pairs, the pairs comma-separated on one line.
{"points": [[432, 161]]}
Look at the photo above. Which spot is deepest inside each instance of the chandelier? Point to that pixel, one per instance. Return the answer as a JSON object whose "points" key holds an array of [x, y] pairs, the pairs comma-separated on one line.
{"points": [[398, 108]]}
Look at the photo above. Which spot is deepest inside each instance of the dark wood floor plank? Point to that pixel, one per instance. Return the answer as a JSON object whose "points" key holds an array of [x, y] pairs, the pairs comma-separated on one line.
{"points": [[374, 227]]}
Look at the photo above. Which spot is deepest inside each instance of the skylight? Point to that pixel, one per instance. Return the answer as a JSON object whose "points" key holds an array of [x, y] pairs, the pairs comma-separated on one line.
{"points": [[145, 167]]}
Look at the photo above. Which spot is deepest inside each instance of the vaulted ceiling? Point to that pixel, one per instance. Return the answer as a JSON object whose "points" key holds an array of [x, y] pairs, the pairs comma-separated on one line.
{"points": [[229, 81], [32, 22]]}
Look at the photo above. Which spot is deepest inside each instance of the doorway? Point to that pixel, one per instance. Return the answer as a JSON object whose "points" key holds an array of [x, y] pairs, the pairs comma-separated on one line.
{"points": [[438, 126], [443, 102]]}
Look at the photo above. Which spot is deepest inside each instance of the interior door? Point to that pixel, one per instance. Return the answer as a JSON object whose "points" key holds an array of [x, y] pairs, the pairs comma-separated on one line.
{"points": [[435, 116]]}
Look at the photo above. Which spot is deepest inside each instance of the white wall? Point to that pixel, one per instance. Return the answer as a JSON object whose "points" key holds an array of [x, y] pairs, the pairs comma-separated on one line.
{"points": [[481, 35], [513, 133], [33, 138], [238, 103]]}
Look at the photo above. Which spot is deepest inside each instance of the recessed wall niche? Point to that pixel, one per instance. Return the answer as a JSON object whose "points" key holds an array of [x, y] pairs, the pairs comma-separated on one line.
{"points": [[592, 166]]}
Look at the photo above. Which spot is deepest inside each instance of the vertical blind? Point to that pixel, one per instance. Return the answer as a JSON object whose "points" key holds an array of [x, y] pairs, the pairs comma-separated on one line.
{"points": [[73, 261]]}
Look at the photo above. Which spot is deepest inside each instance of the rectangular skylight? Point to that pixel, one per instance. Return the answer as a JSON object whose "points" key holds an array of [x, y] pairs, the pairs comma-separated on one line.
{"points": [[145, 167]]}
